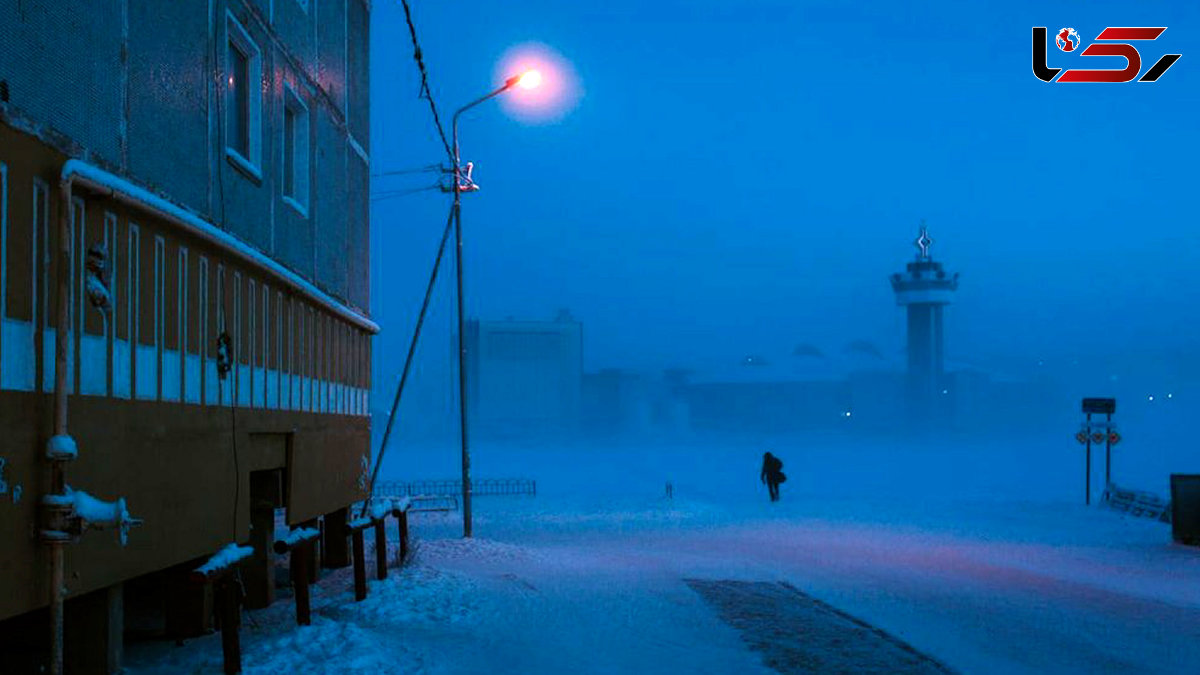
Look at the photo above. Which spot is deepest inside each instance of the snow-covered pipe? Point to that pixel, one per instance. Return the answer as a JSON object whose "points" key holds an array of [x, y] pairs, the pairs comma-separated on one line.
{"points": [[222, 562]]}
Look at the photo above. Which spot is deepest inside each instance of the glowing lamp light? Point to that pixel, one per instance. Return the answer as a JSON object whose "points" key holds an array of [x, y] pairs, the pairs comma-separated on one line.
{"points": [[530, 79], [546, 89], [847, 413], [1151, 398]]}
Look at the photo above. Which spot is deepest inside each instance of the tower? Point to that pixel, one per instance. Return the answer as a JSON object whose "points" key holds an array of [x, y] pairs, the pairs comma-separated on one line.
{"points": [[925, 289]]}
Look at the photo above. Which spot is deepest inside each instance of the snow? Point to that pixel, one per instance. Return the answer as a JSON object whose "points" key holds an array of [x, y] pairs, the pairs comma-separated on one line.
{"points": [[95, 512], [299, 535], [230, 555], [62, 446], [972, 558]]}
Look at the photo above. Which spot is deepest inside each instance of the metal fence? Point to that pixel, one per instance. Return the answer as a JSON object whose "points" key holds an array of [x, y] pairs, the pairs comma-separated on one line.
{"points": [[479, 488]]}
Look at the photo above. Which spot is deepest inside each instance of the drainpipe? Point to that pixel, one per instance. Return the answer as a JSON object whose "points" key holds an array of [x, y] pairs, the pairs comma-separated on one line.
{"points": [[66, 513], [55, 535]]}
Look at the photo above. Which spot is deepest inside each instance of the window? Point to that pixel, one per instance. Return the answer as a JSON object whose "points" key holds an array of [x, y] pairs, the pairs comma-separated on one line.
{"points": [[295, 151], [243, 100]]}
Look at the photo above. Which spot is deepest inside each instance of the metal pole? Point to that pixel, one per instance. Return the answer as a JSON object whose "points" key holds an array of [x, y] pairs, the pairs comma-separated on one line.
{"points": [[458, 268], [1087, 467], [462, 366]]}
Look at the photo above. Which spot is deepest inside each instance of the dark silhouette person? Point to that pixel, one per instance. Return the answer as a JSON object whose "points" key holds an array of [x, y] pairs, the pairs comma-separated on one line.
{"points": [[772, 474]]}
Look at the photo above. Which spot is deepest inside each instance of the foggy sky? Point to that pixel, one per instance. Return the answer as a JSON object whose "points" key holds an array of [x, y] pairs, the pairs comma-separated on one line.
{"points": [[742, 177]]}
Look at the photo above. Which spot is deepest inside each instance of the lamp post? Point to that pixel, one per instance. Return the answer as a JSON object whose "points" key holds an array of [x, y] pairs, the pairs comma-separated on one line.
{"points": [[462, 183]]}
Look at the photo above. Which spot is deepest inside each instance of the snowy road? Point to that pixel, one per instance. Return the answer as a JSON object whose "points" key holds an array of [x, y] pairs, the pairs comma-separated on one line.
{"points": [[597, 582]]}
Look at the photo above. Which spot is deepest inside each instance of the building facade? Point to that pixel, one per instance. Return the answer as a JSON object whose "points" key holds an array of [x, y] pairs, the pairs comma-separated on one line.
{"points": [[525, 377], [195, 175]]}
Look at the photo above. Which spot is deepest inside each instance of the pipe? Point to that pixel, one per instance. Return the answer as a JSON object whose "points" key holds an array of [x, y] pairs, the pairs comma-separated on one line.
{"points": [[57, 473]]}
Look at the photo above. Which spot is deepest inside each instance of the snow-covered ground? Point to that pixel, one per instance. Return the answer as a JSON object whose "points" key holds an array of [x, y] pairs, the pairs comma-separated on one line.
{"points": [[962, 550]]}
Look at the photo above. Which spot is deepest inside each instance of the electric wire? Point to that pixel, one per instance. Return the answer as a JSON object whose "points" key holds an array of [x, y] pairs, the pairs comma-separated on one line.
{"points": [[425, 93], [391, 194], [217, 99], [429, 168]]}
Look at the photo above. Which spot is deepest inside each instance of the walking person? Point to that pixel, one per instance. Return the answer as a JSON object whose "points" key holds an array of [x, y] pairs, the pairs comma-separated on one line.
{"points": [[772, 474]]}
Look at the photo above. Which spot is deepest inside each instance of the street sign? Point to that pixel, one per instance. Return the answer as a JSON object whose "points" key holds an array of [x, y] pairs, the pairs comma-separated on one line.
{"points": [[1101, 406], [1081, 437]]}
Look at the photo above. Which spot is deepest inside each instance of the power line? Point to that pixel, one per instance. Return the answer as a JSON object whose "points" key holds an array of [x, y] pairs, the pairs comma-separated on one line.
{"points": [[429, 168], [425, 93]]}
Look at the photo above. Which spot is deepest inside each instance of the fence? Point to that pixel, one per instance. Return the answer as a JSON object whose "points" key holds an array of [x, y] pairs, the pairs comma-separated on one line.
{"points": [[479, 488]]}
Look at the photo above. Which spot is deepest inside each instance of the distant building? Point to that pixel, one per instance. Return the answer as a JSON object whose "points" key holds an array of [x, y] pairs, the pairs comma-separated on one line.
{"points": [[924, 289], [208, 163], [862, 389], [524, 377]]}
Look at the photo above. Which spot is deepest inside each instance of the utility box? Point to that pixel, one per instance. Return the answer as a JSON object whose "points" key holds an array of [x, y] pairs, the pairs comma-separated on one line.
{"points": [[1185, 508]]}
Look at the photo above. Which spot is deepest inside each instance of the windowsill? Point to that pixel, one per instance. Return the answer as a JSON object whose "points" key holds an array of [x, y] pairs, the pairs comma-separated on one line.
{"points": [[297, 206], [244, 165]]}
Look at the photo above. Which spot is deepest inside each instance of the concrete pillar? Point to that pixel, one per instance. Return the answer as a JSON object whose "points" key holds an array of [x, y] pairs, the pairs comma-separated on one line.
{"points": [[94, 631], [335, 548]]}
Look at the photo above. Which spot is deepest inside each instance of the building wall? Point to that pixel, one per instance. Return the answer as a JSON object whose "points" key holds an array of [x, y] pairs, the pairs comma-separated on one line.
{"points": [[133, 86], [525, 376]]}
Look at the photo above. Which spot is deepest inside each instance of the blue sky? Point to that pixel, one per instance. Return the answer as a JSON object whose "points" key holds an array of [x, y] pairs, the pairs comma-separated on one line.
{"points": [[741, 177]]}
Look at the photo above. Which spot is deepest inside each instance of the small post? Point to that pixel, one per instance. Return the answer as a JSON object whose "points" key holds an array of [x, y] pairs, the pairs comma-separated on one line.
{"points": [[381, 549], [298, 561], [1107, 452], [360, 565], [1087, 467], [228, 593], [299, 544]]}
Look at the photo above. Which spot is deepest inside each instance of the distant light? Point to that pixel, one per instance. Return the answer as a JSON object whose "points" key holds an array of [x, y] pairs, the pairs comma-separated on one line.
{"points": [[1170, 395], [846, 414], [530, 80], [945, 391], [1151, 398]]}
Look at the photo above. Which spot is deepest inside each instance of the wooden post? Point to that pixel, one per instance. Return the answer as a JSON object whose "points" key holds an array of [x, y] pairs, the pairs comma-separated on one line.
{"points": [[334, 552], [381, 549], [299, 544], [402, 517], [360, 566], [313, 551], [259, 571], [300, 569], [229, 614]]}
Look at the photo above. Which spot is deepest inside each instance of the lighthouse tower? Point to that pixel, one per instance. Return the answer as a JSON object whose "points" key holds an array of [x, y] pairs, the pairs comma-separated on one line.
{"points": [[925, 289]]}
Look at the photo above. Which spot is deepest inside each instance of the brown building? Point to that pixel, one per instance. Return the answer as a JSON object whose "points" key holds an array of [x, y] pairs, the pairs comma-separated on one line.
{"points": [[195, 176]]}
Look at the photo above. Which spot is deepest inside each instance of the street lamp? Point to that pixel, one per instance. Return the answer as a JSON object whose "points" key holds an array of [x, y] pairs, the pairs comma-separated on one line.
{"points": [[463, 183]]}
